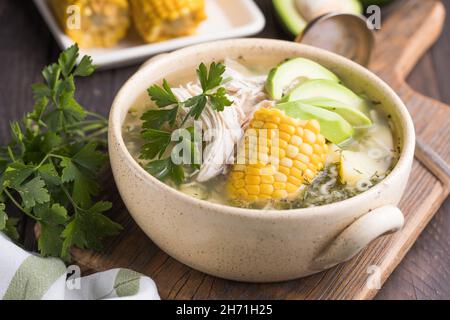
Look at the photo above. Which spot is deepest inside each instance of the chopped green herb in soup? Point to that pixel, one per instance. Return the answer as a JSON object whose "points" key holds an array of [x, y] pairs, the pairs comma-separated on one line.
{"points": [[242, 134]]}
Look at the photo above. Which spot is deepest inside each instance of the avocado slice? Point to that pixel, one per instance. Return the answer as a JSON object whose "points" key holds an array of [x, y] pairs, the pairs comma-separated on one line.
{"points": [[332, 126], [288, 15], [327, 89], [282, 76], [355, 117]]}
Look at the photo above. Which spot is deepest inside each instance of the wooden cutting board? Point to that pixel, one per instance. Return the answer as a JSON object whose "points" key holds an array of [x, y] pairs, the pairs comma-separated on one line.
{"points": [[411, 28]]}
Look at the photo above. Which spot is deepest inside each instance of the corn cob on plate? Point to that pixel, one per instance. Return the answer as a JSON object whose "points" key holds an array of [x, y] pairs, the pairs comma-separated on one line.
{"points": [[93, 23], [158, 20]]}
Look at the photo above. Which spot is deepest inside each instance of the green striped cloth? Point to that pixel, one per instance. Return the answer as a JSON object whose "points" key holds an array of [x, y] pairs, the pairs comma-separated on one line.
{"points": [[25, 276]]}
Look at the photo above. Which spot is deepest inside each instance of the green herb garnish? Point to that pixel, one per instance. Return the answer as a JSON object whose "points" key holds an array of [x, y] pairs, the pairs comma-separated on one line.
{"points": [[158, 124], [49, 170]]}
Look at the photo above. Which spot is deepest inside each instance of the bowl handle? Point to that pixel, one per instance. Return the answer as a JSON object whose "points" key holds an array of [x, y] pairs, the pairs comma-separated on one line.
{"points": [[359, 234]]}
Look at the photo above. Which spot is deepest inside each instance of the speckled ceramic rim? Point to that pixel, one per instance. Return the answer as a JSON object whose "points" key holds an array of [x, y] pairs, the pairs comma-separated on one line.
{"points": [[407, 131]]}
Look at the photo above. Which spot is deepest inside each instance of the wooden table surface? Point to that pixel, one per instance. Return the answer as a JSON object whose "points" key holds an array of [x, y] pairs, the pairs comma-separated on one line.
{"points": [[27, 46]]}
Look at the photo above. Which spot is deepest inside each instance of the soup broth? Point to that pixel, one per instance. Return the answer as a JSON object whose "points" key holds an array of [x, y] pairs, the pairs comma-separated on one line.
{"points": [[342, 169]]}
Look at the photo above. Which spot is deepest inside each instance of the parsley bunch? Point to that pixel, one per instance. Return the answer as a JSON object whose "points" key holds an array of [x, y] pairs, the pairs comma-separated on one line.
{"points": [[158, 124], [49, 168]]}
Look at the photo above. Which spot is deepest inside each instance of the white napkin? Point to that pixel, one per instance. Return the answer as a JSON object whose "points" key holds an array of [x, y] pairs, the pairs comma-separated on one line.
{"points": [[24, 275]]}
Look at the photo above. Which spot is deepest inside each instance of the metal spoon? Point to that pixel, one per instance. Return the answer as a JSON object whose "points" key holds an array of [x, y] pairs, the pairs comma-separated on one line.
{"points": [[341, 33], [348, 35]]}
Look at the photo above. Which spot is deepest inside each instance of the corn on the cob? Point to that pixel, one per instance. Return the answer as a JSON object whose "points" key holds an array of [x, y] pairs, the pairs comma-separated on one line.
{"points": [[157, 20], [102, 23], [288, 153]]}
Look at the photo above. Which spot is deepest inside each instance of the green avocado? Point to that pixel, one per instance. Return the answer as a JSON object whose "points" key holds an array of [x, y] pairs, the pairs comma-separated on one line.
{"points": [[355, 117], [294, 21], [313, 89], [282, 76], [332, 126], [288, 15]]}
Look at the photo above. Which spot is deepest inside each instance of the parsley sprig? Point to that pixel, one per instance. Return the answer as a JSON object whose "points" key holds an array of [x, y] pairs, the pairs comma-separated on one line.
{"points": [[158, 124], [49, 168]]}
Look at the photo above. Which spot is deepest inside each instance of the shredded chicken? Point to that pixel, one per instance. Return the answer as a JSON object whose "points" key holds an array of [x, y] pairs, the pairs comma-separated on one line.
{"points": [[224, 130]]}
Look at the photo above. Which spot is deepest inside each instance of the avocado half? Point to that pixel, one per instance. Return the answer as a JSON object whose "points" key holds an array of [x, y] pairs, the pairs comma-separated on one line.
{"points": [[293, 21]]}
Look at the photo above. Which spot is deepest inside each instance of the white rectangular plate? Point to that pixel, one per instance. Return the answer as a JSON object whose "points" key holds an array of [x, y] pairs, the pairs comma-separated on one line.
{"points": [[226, 19]]}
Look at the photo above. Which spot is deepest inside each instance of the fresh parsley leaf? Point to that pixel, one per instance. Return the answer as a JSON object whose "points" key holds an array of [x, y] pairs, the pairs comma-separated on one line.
{"points": [[49, 174], [67, 60], [68, 114], [50, 141], [50, 241], [164, 169], [16, 173], [33, 192], [219, 100], [51, 225], [162, 96], [85, 68], [51, 75], [156, 143], [90, 158], [83, 187], [87, 230], [155, 118], [213, 78], [54, 214], [196, 104]]}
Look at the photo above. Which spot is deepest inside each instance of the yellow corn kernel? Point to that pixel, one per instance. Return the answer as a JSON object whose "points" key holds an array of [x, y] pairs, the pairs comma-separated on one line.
{"points": [[285, 136], [252, 180], [236, 175], [287, 162], [242, 193], [270, 125], [309, 136], [302, 158], [280, 177], [257, 124], [280, 194], [287, 128], [314, 126], [297, 173], [296, 141], [239, 183], [267, 179], [157, 20], [252, 190], [300, 165], [284, 170], [292, 152], [253, 171], [291, 188], [267, 189], [306, 149], [279, 185]]}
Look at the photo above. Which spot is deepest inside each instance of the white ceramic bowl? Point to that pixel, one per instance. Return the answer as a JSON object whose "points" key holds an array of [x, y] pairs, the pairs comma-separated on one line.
{"points": [[254, 245]]}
